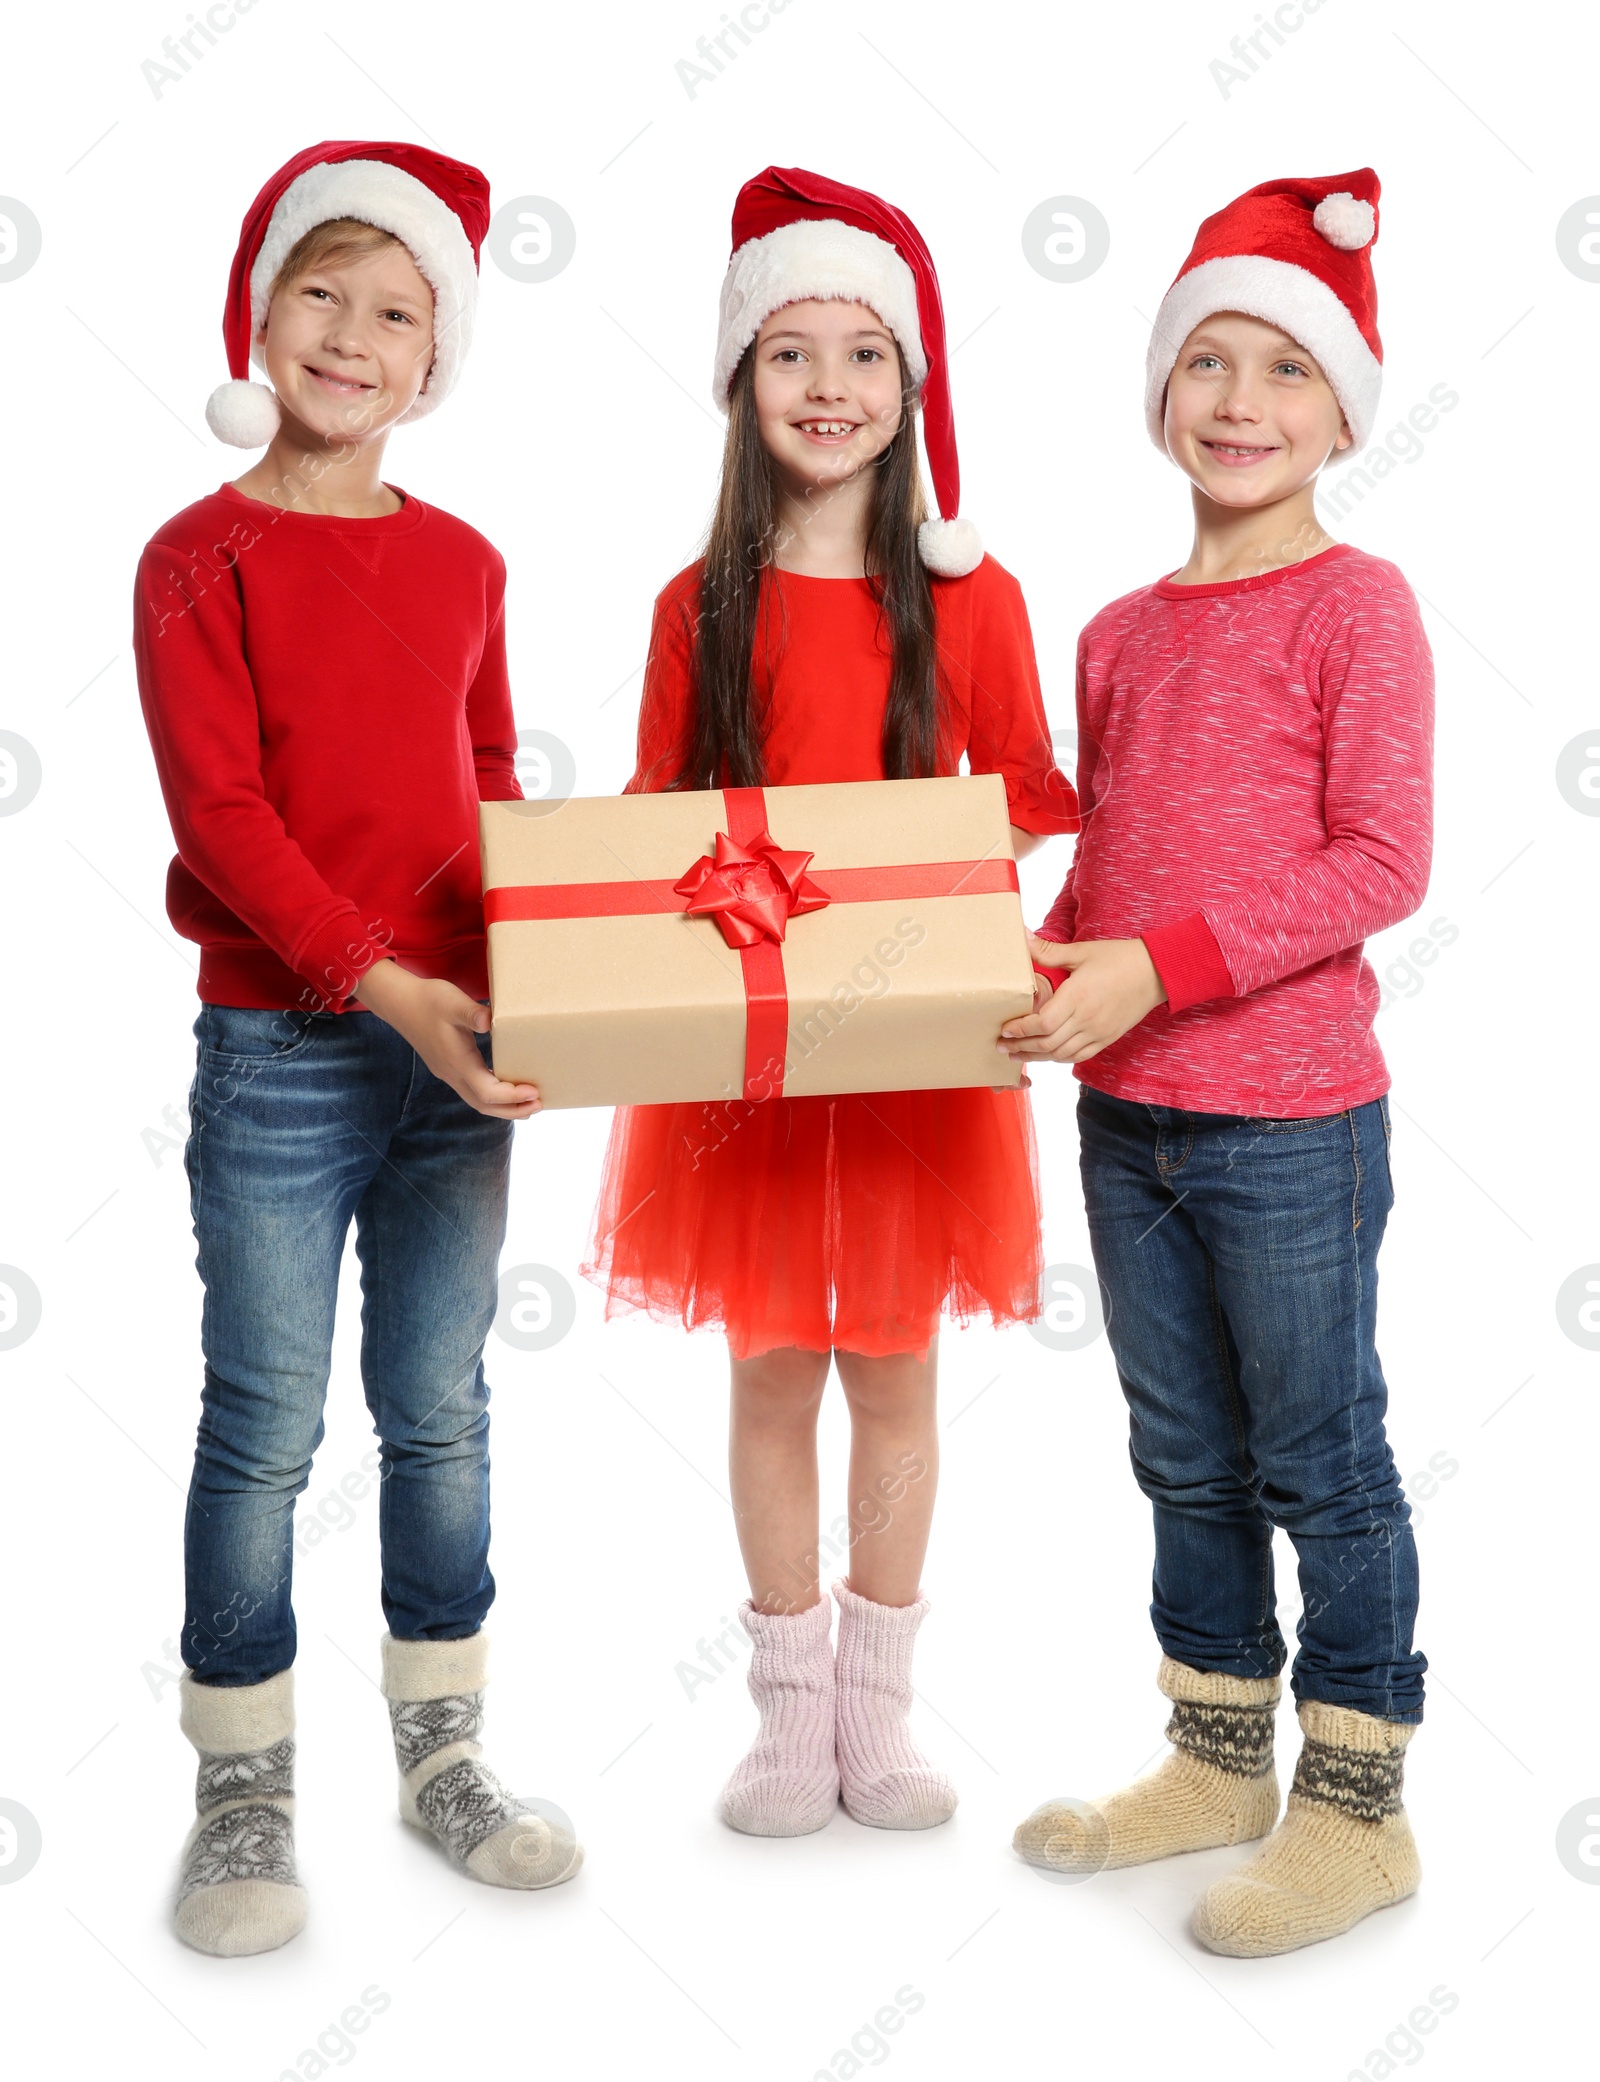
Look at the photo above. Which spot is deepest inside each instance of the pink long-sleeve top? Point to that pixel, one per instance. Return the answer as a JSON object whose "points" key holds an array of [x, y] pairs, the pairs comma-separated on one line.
{"points": [[1255, 781]]}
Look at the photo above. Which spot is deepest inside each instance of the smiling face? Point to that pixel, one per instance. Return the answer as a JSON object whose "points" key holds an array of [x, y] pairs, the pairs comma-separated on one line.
{"points": [[1250, 417], [827, 390], [348, 343]]}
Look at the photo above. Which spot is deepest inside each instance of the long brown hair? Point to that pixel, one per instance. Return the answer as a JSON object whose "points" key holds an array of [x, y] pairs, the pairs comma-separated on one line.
{"points": [[726, 746]]}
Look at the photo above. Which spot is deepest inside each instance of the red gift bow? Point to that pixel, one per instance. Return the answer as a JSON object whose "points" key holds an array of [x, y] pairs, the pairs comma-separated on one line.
{"points": [[746, 852], [752, 889]]}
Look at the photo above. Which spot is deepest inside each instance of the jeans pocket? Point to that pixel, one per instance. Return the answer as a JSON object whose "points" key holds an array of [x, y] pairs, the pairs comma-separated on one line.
{"points": [[257, 1036], [1297, 1127]]}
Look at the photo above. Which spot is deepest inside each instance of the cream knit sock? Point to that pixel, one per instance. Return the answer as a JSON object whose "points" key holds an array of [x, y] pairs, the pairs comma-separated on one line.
{"points": [[1218, 1785], [435, 1693], [884, 1778], [787, 1784], [238, 1891], [1343, 1848]]}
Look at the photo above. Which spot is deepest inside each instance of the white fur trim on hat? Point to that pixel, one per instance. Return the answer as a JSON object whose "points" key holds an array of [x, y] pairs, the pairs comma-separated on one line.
{"points": [[1281, 294], [245, 415], [814, 257], [949, 548], [373, 192]]}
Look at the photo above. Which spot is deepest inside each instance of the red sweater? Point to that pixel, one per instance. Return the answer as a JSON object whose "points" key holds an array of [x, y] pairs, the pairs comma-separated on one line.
{"points": [[821, 682], [1255, 768], [327, 703]]}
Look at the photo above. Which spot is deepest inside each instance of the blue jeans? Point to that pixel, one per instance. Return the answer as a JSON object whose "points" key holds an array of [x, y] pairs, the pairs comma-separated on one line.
{"points": [[1239, 1263], [298, 1122]]}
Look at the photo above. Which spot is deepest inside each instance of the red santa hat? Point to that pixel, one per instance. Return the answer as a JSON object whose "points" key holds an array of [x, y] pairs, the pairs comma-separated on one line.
{"points": [[798, 235], [1297, 254], [437, 207]]}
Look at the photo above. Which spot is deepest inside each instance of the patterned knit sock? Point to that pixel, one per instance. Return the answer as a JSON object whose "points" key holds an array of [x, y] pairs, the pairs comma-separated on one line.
{"points": [[435, 1693], [884, 1779], [1218, 1785], [1343, 1848], [238, 1891], [787, 1784]]}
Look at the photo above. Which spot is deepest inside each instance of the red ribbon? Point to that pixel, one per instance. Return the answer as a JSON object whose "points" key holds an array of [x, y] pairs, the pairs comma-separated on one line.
{"points": [[752, 887]]}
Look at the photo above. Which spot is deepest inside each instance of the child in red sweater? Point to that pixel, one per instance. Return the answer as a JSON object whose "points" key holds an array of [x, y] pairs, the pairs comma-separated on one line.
{"points": [[832, 633], [1254, 771], [322, 666]]}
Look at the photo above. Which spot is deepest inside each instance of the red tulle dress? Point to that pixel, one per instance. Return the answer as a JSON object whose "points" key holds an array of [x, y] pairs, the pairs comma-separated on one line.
{"points": [[851, 1221]]}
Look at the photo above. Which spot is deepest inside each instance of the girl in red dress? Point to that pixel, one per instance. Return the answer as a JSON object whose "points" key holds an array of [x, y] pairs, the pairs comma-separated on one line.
{"points": [[832, 633]]}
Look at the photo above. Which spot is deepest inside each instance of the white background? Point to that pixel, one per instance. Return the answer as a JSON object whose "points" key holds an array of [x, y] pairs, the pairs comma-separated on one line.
{"points": [[582, 441]]}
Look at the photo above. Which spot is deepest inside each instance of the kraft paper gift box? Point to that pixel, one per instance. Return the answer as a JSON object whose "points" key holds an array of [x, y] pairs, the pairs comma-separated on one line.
{"points": [[862, 936]]}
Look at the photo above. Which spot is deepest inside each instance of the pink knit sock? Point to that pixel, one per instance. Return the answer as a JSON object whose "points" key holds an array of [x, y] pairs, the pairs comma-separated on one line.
{"points": [[885, 1779], [788, 1784]]}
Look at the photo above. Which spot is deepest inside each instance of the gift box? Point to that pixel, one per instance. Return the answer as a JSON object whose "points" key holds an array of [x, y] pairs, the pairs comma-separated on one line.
{"points": [[861, 936]]}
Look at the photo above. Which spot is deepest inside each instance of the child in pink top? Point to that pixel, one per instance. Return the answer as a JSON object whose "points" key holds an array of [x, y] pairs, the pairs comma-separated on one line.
{"points": [[1255, 789]]}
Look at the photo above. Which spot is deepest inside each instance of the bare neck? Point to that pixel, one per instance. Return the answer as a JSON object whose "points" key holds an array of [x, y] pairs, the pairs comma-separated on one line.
{"points": [[302, 471], [823, 534], [1230, 544]]}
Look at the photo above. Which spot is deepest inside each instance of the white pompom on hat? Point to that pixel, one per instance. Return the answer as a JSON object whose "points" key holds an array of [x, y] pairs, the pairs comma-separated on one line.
{"points": [[243, 414], [1295, 253], [437, 207], [798, 235], [1345, 221]]}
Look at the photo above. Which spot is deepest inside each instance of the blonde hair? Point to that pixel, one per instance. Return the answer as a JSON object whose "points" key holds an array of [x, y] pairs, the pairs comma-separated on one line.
{"points": [[340, 238]]}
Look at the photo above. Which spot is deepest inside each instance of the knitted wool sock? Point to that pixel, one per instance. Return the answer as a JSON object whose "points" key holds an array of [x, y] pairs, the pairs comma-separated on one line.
{"points": [[238, 1891], [1343, 1848], [884, 1778], [435, 1693], [1218, 1785], [787, 1783]]}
